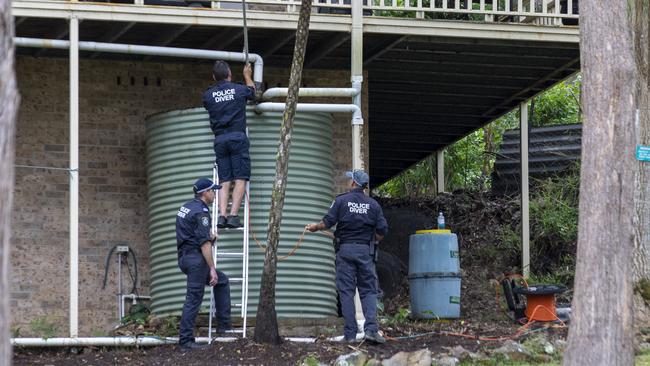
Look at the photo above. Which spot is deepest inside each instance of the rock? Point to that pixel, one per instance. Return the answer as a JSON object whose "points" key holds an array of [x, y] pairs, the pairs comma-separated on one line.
{"points": [[373, 362], [352, 359], [513, 350], [560, 344], [459, 352], [447, 361], [417, 358], [548, 348]]}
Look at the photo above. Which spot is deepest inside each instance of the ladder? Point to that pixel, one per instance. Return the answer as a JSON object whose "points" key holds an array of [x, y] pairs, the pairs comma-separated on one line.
{"points": [[216, 254]]}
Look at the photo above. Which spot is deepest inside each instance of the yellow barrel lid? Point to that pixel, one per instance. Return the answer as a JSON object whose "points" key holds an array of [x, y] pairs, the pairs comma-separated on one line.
{"points": [[433, 231]]}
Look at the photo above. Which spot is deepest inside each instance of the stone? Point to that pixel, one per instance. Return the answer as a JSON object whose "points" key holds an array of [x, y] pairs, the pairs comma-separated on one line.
{"points": [[417, 358], [513, 351], [447, 361], [352, 359], [548, 348]]}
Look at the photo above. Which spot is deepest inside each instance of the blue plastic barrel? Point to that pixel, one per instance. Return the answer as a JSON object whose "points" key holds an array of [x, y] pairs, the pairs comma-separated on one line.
{"points": [[434, 274]]}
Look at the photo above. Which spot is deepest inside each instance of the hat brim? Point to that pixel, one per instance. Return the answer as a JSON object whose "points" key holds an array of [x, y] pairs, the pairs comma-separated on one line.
{"points": [[349, 174], [214, 186]]}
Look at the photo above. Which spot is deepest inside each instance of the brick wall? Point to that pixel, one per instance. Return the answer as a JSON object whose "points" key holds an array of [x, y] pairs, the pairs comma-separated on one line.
{"points": [[115, 98]]}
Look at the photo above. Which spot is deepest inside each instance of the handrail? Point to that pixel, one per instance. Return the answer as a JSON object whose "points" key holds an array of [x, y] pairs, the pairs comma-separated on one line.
{"points": [[541, 12]]}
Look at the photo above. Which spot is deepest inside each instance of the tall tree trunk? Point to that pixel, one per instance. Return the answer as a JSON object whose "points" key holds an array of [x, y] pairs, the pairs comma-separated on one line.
{"points": [[601, 331], [8, 111], [266, 322], [640, 19]]}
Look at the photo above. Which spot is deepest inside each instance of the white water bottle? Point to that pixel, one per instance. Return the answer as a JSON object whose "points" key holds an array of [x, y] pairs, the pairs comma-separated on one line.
{"points": [[441, 221]]}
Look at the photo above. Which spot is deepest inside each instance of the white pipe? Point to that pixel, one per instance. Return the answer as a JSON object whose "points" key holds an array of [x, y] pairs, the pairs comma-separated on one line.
{"points": [[128, 341], [311, 92], [315, 107], [148, 50], [74, 176]]}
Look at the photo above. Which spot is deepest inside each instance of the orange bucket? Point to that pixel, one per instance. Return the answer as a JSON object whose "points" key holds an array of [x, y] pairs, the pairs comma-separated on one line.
{"points": [[540, 301]]}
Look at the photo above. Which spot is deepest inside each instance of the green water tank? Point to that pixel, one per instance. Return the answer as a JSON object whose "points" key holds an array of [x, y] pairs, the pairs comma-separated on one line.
{"points": [[180, 150]]}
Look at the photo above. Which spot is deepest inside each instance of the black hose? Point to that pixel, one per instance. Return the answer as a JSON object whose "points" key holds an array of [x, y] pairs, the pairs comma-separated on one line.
{"points": [[135, 263], [108, 258], [133, 278]]}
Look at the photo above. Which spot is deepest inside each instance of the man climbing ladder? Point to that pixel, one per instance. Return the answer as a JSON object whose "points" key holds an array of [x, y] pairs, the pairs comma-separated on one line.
{"points": [[225, 102]]}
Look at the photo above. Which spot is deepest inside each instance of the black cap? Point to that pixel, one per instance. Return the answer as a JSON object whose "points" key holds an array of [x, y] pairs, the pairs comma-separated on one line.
{"points": [[203, 184], [359, 177]]}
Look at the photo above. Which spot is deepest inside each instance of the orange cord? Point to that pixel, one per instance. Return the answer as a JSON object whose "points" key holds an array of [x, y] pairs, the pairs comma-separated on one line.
{"points": [[263, 247]]}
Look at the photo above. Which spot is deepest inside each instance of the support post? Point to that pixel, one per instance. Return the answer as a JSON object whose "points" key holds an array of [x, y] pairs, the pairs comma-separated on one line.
{"points": [[525, 199], [357, 78], [74, 176], [440, 170], [356, 71]]}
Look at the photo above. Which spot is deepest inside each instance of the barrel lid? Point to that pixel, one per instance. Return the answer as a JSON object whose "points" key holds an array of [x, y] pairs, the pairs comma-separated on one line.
{"points": [[435, 231]]}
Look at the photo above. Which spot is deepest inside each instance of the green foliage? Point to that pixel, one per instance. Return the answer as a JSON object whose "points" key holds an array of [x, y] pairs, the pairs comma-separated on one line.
{"points": [[169, 327], [401, 317], [559, 105], [44, 326], [15, 331], [138, 314], [310, 360]]}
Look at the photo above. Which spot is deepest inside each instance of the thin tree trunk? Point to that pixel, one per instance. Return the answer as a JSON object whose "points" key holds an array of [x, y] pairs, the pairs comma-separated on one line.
{"points": [[601, 331], [8, 111], [266, 322], [640, 18]]}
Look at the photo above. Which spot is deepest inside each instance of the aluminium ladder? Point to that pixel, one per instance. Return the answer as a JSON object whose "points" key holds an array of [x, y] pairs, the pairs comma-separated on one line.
{"points": [[216, 254]]}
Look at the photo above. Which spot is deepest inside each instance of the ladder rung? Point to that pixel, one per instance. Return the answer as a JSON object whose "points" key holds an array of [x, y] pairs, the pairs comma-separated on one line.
{"points": [[236, 279], [232, 228], [230, 254], [230, 331], [236, 305]]}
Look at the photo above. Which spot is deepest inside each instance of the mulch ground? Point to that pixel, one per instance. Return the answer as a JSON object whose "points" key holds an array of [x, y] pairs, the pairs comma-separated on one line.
{"points": [[240, 352]]}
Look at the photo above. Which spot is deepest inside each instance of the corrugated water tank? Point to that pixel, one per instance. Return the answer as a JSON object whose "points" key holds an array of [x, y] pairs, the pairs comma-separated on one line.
{"points": [[180, 150]]}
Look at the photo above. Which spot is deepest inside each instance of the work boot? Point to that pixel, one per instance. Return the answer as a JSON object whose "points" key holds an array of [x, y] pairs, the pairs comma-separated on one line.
{"points": [[233, 222], [221, 222], [190, 346], [349, 340], [374, 337]]}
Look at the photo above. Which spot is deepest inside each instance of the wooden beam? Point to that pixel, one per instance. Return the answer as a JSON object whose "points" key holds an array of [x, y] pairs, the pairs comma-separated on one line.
{"points": [[322, 52], [116, 31], [275, 46], [168, 37], [222, 40], [379, 51]]}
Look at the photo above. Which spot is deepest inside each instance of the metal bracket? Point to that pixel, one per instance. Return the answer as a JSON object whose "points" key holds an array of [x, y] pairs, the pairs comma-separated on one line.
{"points": [[122, 249]]}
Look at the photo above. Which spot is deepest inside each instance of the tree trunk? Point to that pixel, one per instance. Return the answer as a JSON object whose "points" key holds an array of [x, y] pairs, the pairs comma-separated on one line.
{"points": [[266, 322], [640, 19], [601, 331], [8, 111]]}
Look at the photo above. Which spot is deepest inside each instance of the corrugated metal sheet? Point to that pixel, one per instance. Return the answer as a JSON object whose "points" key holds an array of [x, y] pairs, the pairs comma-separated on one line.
{"points": [[179, 150], [551, 151]]}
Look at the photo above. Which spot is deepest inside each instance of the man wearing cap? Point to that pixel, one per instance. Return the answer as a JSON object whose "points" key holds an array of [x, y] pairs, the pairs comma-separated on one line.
{"points": [[360, 223], [194, 240], [225, 102]]}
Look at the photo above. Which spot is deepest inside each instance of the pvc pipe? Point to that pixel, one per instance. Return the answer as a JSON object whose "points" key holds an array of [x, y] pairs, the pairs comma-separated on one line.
{"points": [[357, 118], [311, 92], [74, 177], [128, 341], [258, 63]]}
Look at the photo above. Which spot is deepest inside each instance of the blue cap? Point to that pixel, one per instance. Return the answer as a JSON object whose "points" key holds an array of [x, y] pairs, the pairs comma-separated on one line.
{"points": [[203, 184], [359, 177]]}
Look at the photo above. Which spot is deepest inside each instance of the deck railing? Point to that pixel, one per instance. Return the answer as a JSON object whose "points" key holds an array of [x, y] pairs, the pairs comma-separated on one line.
{"points": [[547, 12], [542, 12]]}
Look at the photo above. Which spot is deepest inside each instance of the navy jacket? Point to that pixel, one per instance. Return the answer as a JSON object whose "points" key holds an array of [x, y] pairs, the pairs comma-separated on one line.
{"points": [[192, 225], [226, 104], [357, 218]]}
